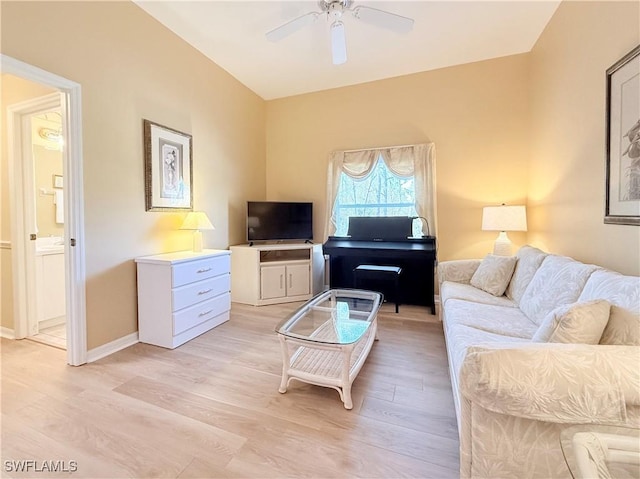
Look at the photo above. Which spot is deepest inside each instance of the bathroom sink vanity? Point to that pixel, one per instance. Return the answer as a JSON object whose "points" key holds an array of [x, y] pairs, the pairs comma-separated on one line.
{"points": [[50, 282]]}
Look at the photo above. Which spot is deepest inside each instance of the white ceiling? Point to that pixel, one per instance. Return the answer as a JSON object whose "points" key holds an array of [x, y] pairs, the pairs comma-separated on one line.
{"points": [[445, 33]]}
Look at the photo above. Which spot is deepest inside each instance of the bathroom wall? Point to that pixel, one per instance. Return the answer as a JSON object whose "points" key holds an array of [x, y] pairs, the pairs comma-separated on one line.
{"points": [[47, 163]]}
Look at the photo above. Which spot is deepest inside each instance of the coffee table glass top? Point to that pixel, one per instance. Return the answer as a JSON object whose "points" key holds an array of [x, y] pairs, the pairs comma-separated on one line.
{"points": [[598, 450], [336, 316]]}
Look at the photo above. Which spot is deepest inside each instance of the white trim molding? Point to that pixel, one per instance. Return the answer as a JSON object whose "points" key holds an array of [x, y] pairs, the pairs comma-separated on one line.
{"points": [[112, 347], [75, 267], [7, 333]]}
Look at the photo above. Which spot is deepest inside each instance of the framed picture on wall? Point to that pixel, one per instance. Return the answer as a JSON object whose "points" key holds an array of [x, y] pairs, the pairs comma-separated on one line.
{"points": [[623, 141], [168, 169]]}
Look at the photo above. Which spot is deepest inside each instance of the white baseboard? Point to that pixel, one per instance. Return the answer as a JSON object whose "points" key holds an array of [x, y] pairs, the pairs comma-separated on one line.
{"points": [[112, 347], [48, 323], [7, 333]]}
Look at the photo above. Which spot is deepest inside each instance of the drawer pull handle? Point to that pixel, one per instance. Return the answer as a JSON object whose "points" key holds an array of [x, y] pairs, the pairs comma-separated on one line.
{"points": [[203, 270], [206, 312], [205, 291]]}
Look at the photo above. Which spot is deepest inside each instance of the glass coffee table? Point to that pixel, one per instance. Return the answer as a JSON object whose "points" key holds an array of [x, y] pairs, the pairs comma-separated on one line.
{"points": [[326, 341], [601, 451]]}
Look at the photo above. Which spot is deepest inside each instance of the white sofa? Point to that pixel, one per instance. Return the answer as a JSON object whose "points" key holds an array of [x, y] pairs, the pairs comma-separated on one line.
{"points": [[514, 396]]}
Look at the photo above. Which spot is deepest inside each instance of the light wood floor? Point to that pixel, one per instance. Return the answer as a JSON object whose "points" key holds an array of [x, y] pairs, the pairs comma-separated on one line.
{"points": [[211, 408], [55, 336]]}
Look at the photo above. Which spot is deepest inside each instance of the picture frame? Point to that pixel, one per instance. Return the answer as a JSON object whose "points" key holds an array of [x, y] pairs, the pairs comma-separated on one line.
{"points": [[168, 166], [622, 187]]}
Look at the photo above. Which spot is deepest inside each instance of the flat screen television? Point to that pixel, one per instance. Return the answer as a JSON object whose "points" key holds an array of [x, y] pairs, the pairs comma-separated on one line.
{"points": [[279, 220]]}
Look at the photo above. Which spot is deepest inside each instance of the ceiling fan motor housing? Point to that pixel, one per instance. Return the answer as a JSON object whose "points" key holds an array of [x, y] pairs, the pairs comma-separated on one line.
{"points": [[334, 8]]}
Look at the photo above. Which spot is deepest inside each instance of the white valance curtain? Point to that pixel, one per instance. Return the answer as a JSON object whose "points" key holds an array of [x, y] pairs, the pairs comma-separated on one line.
{"points": [[415, 160]]}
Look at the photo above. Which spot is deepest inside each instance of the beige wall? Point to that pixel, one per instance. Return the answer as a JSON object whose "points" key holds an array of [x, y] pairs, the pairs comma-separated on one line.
{"points": [[130, 68], [13, 90], [566, 187], [476, 114], [524, 128]]}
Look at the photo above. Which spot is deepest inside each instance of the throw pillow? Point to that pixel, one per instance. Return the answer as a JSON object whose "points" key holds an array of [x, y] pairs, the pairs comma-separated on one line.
{"points": [[494, 273], [577, 323]]}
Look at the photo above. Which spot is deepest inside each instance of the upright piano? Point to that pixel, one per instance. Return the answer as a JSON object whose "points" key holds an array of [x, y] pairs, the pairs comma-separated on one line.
{"points": [[385, 241]]}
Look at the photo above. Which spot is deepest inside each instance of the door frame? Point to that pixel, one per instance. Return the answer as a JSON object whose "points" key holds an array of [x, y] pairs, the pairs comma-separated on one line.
{"points": [[75, 270]]}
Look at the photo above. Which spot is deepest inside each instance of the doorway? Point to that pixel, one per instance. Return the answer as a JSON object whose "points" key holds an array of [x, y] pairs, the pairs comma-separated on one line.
{"points": [[39, 158], [66, 102], [47, 142]]}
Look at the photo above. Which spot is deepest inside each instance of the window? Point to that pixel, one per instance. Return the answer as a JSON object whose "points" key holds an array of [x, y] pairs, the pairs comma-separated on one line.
{"points": [[380, 193], [392, 181]]}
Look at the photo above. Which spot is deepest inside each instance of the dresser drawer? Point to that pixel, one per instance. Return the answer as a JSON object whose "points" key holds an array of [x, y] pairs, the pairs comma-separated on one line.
{"points": [[193, 293], [193, 271], [201, 312]]}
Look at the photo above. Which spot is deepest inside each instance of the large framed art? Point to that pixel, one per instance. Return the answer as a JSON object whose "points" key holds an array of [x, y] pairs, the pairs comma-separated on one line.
{"points": [[168, 168], [623, 141]]}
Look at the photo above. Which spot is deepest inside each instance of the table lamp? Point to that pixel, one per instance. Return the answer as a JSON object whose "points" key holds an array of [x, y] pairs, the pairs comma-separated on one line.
{"points": [[503, 218], [197, 220]]}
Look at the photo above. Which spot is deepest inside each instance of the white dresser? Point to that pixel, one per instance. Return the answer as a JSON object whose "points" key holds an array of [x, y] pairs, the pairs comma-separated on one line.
{"points": [[182, 295]]}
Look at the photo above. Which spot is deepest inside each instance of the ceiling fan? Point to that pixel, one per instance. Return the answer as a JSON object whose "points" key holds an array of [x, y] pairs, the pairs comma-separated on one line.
{"points": [[334, 10]]}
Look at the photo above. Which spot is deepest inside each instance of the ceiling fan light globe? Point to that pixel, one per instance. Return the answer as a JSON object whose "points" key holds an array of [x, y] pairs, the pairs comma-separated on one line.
{"points": [[338, 43]]}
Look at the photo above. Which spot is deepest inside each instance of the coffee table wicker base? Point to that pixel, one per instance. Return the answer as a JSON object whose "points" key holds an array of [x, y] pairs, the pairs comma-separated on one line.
{"points": [[330, 365]]}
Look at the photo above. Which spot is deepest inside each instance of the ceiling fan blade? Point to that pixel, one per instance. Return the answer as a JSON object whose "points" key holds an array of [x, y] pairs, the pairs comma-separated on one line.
{"points": [[338, 43], [293, 26], [381, 18]]}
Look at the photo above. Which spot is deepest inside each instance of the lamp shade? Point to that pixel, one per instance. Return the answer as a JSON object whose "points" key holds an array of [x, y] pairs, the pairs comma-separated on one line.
{"points": [[197, 220], [504, 218]]}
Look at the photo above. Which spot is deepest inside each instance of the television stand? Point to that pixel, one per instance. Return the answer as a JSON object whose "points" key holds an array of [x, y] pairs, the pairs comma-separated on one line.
{"points": [[251, 243], [265, 274]]}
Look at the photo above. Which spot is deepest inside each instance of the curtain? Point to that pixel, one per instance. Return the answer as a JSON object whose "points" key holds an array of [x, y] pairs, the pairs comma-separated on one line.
{"points": [[416, 160]]}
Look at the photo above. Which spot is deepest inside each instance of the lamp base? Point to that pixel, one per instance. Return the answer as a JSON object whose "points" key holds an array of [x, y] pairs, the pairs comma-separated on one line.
{"points": [[197, 241], [502, 245]]}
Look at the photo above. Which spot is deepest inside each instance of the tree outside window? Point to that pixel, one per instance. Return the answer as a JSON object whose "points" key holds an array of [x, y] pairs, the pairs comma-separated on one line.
{"points": [[380, 193]]}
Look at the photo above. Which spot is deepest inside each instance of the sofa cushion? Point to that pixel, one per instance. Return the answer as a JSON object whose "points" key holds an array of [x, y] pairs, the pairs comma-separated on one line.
{"points": [[578, 323], [461, 337], [559, 280], [623, 292], [494, 273], [529, 260], [508, 321], [622, 329], [451, 290]]}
